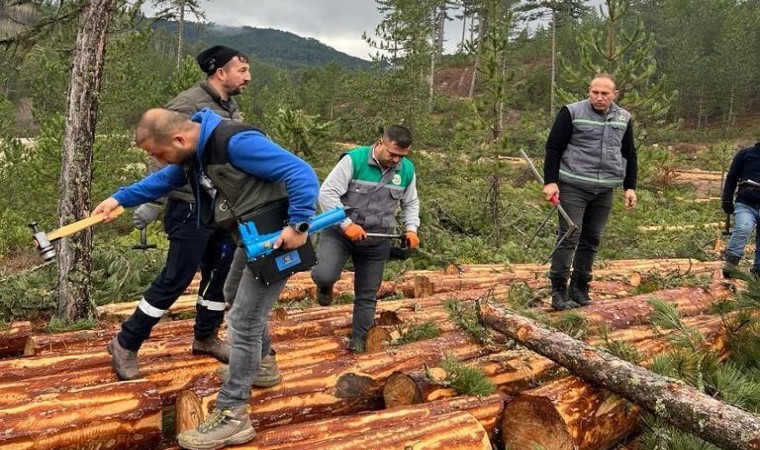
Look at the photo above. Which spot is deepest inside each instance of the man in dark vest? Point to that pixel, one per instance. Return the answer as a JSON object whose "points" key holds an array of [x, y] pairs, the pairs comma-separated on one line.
{"points": [[589, 152], [372, 181], [235, 171]]}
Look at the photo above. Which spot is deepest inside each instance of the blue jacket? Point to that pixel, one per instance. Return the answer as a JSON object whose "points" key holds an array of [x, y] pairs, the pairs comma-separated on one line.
{"points": [[249, 151]]}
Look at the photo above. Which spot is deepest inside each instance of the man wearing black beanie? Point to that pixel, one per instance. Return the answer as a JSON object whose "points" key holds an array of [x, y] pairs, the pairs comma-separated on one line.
{"points": [[192, 245]]}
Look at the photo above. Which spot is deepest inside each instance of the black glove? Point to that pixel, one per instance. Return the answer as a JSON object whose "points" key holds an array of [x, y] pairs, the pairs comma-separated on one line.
{"points": [[728, 206]]}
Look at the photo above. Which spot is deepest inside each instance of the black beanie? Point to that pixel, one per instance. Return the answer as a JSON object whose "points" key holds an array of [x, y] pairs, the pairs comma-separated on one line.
{"points": [[215, 57]]}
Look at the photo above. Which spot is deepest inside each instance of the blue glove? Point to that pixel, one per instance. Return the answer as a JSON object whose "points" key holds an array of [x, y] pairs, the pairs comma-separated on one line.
{"points": [[145, 214]]}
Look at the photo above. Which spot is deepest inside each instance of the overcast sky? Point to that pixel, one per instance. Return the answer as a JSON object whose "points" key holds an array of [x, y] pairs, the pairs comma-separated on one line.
{"points": [[337, 23]]}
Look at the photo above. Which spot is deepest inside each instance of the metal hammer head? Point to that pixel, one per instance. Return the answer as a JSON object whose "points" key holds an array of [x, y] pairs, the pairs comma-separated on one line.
{"points": [[43, 243]]}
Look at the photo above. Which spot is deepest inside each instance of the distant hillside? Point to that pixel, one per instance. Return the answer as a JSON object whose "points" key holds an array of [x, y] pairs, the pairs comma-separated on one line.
{"points": [[278, 48]]}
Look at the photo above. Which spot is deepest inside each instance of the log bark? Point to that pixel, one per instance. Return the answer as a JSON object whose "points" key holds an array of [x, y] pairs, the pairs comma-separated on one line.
{"points": [[568, 414], [13, 339], [623, 264], [342, 386], [684, 407], [116, 416]]}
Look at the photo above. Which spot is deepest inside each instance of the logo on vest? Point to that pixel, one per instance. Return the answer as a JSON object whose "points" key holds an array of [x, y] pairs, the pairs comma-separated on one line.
{"points": [[396, 179], [621, 118]]}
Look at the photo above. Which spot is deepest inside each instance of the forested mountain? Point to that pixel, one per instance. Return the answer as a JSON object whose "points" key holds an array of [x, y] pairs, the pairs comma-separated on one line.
{"points": [[278, 48]]}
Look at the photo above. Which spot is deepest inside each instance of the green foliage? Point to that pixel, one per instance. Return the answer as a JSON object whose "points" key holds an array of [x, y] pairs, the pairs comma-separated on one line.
{"points": [[465, 317], [419, 332], [622, 349], [466, 380], [57, 325], [571, 323], [299, 132], [659, 435]]}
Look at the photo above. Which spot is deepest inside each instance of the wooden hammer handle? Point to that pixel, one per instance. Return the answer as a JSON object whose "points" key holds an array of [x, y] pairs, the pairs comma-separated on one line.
{"points": [[81, 224]]}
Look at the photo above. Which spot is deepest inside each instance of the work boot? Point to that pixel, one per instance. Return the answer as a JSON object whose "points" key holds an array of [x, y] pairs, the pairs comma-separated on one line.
{"points": [[124, 361], [578, 291], [222, 428], [560, 300], [731, 267], [213, 346], [268, 375], [324, 295]]}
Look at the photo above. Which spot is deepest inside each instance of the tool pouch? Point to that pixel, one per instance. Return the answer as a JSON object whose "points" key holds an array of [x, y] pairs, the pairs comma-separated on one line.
{"points": [[279, 264]]}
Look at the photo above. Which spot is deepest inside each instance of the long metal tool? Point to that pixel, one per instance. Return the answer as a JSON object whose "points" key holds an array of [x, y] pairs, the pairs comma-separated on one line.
{"points": [[571, 226]]}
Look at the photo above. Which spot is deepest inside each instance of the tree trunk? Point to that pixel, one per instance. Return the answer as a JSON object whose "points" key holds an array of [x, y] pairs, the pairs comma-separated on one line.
{"points": [[116, 416], [686, 408], [180, 32], [74, 253], [14, 338]]}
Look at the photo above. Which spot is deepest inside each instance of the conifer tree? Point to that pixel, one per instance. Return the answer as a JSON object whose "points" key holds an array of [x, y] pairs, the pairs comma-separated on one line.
{"points": [[623, 48]]}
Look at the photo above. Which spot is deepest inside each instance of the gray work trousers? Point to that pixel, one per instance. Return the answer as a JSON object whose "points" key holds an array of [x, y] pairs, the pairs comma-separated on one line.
{"points": [[247, 331], [369, 258]]}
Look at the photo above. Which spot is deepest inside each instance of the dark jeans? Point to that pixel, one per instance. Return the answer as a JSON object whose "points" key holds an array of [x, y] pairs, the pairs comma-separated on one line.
{"points": [[369, 258], [190, 246], [589, 209]]}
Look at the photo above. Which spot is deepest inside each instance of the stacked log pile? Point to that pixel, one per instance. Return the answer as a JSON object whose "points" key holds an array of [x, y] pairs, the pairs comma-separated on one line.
{"points": [[330, 397]]}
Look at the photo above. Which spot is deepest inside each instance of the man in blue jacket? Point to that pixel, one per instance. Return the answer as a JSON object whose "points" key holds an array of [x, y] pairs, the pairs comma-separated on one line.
{"points": [[743, 179], [235, 171]]}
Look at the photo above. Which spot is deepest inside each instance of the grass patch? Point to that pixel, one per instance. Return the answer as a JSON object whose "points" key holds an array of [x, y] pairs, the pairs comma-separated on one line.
{"points": [[57, 325], [466, 318], [419, 332], [467, 380], [572, 324]]}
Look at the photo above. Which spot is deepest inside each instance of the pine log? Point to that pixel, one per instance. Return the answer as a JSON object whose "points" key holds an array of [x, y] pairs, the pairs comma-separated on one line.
{"points": [[623, 264], [689, 301], [13, 339], [684, 407], [714, 225], [487, 410], [341, 386], [452, 431], [568, 414], [511, 372], [116, 416]]}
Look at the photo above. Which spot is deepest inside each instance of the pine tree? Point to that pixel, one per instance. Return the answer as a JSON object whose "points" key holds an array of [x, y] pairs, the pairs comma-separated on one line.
{"points": [[623, 48]]}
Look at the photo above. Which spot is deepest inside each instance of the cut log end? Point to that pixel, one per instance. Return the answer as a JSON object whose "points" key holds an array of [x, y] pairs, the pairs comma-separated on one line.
{"points": [[533, 422], [188, 412], [378, 338], [423, 287], [401, 390]]}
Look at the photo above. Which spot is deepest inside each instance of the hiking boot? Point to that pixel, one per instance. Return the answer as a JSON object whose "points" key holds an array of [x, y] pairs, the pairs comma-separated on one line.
{"points": [[268, 375], [213, 346], [560, 299], [222, 428], [578, 291], [324, 295], [124, 361], [731, 267]]}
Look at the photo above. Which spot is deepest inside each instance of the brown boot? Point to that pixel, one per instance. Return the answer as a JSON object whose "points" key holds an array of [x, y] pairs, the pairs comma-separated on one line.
{"points": [[124, 361], [268, 375], [213, 346]]}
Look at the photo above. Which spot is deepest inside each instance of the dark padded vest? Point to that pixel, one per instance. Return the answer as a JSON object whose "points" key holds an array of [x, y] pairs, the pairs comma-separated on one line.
{"points": [[238, 193]]}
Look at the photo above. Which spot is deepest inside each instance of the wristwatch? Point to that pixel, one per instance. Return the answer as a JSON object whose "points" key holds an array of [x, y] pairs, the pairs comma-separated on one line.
{"points": [[301, 227]]}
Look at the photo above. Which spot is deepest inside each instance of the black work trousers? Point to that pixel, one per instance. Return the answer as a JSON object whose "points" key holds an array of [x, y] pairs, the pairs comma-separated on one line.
{"points": [[589, 209], [190, 246]]}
